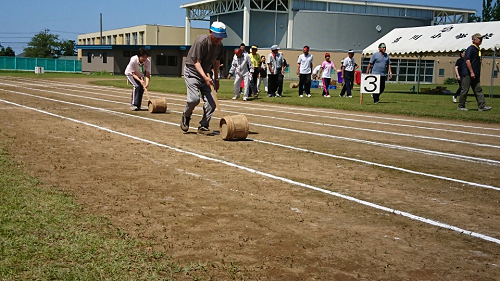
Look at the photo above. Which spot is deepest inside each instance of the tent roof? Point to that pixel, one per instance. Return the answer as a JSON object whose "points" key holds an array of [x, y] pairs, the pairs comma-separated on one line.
{"points": [[437, 39]]}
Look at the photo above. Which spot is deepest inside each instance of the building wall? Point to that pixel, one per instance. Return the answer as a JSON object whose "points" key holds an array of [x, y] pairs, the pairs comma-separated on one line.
{"points": [[344, 31], [152, 35], [97, 61]]}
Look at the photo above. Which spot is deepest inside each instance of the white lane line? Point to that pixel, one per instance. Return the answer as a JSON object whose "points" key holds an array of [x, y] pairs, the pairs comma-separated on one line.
{"points": [[330, 125], [282, 179], [273, 109], [287, 146], [392, 146], [374, 131]]}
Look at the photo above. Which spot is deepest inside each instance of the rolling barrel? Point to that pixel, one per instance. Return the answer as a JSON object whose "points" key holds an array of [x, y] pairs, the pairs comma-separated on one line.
{"points": [[234, 127], [157, 105]]}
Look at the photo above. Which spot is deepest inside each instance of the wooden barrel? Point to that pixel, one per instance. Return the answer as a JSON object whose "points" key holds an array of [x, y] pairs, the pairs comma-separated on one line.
{"points": [[234, 127], [157, 105], [294, 85]]}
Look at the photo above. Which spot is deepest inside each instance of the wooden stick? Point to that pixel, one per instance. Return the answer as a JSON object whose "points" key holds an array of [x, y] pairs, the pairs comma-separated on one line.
{"points": [[214, 95], [147, 94]]}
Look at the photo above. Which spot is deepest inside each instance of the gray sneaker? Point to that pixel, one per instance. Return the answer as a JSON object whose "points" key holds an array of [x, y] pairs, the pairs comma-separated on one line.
{"points": [[485, 108], [134, 108], [185, 123], [462, 109]]}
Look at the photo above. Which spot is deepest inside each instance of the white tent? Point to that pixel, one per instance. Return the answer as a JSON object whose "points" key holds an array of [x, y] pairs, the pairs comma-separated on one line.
{"points": [[439, 39]]}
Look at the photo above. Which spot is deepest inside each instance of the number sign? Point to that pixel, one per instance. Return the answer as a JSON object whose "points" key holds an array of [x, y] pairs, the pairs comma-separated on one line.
{"points": [[370, 84]]}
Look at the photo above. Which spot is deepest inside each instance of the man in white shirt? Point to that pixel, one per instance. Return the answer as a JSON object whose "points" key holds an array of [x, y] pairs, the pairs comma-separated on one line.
{"points": [[304, 69], [348, 67], [137, 78], [276, 67]]}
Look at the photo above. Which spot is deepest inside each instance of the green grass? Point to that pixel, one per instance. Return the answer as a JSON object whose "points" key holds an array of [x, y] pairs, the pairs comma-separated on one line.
{"points": [[44, 235]]}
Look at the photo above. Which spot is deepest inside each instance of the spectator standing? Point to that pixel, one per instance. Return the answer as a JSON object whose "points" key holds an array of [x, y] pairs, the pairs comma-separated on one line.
{"points": [[326, 74], [242, 69], [379, 63], [315, 72], [255, 59], [137, 78], [471, 77], [304, 69], [460, 67], [348, 67], [281, 77], [262, 74], [275, 65], [206, 51]]}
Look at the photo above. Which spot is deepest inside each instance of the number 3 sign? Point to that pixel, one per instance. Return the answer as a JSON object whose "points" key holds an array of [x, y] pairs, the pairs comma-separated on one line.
{"points": [[370, 84]]}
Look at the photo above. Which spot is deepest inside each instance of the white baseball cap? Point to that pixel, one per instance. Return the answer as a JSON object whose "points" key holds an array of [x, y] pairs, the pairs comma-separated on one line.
{"points": [[218, 29]]}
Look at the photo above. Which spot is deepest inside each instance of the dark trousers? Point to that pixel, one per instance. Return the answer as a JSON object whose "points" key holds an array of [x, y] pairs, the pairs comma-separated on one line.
{"points": [[376, 97], [279, 84], [272, 84], [459, 90], [305, 84], [348, 83], [137, 91], [474, 83], [253, 82], [273, 81]]}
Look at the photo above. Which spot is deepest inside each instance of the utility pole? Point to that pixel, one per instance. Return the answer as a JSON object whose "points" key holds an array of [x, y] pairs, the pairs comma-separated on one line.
{"points": [[100, 40]]}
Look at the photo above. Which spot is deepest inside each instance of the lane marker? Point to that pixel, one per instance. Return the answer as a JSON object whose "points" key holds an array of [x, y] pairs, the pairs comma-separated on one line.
{"points": [[287, 146], [404, 148], [282, 179], [232, 104]]}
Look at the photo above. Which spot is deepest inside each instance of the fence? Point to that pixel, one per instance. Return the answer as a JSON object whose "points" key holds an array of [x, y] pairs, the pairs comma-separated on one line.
{"points": [[29, 64]]}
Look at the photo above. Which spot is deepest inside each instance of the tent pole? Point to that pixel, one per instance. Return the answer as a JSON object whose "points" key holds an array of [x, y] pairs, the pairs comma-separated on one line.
{"points": [[492, 71], [418, 73]]}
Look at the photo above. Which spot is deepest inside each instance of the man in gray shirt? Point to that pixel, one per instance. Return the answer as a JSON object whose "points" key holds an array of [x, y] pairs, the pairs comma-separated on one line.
{"points": [[205, 54], [379, 62]]}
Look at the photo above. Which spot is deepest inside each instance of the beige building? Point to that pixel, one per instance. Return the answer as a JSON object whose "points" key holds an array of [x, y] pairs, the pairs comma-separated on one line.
{"points": [[111, 52]]}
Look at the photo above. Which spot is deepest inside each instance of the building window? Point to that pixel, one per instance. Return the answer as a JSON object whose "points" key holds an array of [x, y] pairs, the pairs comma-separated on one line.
{"points": [[126, 54], [441, 72], [104, 57], [134, 38], [127, 38], [161, 60], [172, 61], [89, 57], [114, 39], [404, 70], [495, 73], [109, 40], [141, 38]]}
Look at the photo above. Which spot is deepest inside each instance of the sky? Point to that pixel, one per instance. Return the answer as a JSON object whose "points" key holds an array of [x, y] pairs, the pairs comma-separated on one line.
{"points": [[21, 20]]}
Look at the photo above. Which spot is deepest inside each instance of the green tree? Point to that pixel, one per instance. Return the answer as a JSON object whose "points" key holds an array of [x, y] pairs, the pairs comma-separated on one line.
{"points": [[68, 48], [43, 45], [491, 12], [7, 52]]}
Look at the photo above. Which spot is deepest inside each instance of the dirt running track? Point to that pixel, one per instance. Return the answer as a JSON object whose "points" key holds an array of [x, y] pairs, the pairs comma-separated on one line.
{"points": [[314, 194]]}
